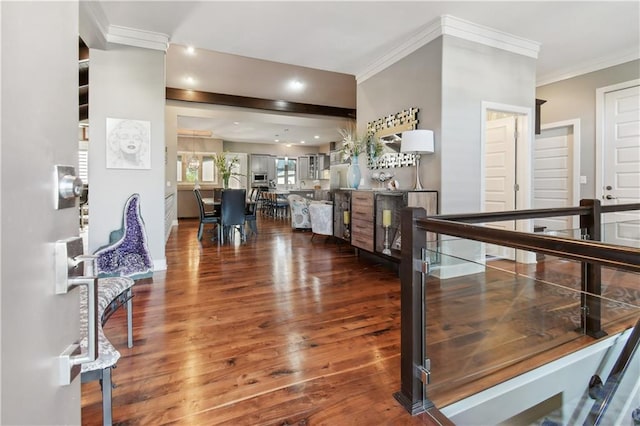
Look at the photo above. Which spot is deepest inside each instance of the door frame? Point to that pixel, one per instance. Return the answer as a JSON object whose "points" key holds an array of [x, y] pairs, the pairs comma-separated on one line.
{"points": [[600, 128], [575, 152], [524, 160], [524, 165]]}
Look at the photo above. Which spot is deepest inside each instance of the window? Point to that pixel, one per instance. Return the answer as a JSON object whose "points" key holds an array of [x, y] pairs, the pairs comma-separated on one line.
{"points": [[286, 171], [192, 166]]}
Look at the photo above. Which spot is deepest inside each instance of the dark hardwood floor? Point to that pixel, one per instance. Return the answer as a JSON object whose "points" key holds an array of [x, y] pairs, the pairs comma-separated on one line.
{"points": [[276, 331], [281, 330]]}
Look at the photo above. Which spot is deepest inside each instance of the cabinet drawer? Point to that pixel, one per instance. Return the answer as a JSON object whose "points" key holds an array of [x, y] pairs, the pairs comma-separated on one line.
{"points": [[362, 234], [362, 198], [363, 242]]}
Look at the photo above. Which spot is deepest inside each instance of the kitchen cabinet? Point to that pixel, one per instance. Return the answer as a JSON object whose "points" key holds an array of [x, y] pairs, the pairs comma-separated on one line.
{"points": [[303, 168], [259, 163]]}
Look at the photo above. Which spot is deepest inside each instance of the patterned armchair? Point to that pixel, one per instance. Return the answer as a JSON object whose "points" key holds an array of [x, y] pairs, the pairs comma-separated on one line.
{"points": [[299, 212], [321, 214]]}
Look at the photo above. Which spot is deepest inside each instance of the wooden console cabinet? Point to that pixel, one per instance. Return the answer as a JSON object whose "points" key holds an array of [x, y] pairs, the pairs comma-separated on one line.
{"points": [[362, 220], [365, 211]]}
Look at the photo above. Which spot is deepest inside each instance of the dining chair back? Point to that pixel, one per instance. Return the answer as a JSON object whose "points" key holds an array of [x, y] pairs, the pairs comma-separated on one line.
{"points": [[205, 217], [232, 207]]}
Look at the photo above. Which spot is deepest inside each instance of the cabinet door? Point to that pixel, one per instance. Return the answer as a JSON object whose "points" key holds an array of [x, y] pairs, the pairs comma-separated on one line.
{"points": [[362, 220], [303, 167]]}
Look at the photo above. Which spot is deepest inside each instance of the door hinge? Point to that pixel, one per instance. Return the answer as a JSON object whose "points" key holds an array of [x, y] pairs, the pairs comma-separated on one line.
{"points": [[425, 371], [516, 187]]}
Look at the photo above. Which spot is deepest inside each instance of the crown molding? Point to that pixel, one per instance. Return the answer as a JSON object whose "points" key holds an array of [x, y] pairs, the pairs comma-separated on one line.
{"points": [[456, 27], [589, 66], [92, 24], [416, 41], [137, 38]]}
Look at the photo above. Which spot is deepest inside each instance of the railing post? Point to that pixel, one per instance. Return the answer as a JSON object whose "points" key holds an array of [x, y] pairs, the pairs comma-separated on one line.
{"points": [[412, 395], [591, 273]]}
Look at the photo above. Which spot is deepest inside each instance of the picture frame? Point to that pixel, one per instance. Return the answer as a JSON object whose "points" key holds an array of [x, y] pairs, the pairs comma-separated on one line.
{"points": [[128, 144]]}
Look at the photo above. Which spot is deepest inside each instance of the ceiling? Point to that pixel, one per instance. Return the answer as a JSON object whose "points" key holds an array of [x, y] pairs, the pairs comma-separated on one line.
{"points": [[348, 37]]}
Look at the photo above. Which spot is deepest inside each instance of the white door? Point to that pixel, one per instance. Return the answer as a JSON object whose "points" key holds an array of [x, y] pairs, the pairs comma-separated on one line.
{"points": [[554, 175], [621, 164], [39, 117], [499, 180]]}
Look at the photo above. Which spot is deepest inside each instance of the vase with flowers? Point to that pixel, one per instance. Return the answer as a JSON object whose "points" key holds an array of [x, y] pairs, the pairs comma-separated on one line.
{"points": [[227, 168], [352, 146]]}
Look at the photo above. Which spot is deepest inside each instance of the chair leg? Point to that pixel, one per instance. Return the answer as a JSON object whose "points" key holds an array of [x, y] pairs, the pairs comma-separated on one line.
{"points": [[107, 418], [200, 230], [129, 320]]}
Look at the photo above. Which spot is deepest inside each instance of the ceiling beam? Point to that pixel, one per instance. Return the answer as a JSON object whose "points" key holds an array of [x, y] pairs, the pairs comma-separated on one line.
{"points": [[257, 103]]}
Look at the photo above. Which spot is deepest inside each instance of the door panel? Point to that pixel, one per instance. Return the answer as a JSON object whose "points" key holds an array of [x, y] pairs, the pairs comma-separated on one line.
{"points": [[553, 175], [39, 130], [500, 165], [621, 164]]}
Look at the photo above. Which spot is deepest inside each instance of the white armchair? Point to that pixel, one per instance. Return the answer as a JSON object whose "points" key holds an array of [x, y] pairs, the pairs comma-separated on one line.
{"points": [[299, 211], [321, 215]]}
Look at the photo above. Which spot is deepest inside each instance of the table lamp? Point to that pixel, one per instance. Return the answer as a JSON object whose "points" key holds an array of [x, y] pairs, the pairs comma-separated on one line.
{"points": [[417, 142]]}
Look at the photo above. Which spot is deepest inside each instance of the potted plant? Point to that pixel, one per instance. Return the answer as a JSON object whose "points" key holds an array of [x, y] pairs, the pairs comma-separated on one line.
{"points": [[226, 167]]}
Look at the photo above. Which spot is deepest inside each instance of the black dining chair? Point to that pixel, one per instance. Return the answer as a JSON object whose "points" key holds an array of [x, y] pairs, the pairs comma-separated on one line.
{"points": [[250, 211], [232, 212], [205, 217]]}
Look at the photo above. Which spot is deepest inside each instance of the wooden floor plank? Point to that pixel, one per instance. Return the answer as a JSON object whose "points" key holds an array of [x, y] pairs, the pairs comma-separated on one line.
{"points": [[281, 330]]}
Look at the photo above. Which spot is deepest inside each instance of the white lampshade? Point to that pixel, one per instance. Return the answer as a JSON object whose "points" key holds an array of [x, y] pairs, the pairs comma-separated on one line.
{"points": [[417, 141]]}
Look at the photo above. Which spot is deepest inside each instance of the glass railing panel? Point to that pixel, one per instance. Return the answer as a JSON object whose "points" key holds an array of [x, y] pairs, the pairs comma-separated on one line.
{"points": [[624, 233], [481, 320]]}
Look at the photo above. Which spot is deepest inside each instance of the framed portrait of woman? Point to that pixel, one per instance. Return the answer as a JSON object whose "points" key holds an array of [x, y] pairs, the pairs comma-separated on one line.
{"points": [[128, 144]]}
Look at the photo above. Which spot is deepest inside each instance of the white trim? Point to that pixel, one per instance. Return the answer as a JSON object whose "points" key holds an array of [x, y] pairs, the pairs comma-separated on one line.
{"points": [[600, 127], [589, 66], [488, 36], [456, 27], [421, 38], [174, 223], [575, 126], [92, 24], [160, 264], [524, 167], [137, 38]]}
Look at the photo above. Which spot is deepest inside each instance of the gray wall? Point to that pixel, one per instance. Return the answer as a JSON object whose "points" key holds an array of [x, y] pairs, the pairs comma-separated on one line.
{"points": [[473, 73], [127, 82], [448, 79], [413, 81], [575, 98]]}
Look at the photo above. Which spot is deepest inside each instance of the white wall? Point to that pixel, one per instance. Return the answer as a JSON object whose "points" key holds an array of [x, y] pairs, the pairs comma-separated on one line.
{"points": [[127, 82]]}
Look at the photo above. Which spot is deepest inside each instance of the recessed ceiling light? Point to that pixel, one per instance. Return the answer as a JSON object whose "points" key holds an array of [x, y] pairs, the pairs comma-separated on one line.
{"points": [[288, 145], [316, 137], [302, 141], [276, 140], [296, 85], [189, 80], [236, 122], [191, 50]]}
